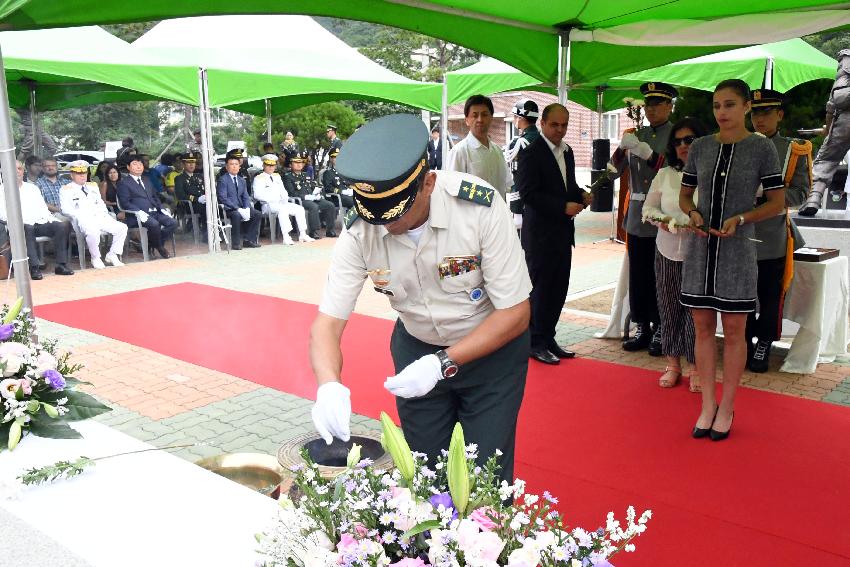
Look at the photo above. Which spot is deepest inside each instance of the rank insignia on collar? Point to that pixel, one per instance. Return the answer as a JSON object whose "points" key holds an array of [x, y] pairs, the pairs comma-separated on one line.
{"points": [[350, 217], [475, 193]]}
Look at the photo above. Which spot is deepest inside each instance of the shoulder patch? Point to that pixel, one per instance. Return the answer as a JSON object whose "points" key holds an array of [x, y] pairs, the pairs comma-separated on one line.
{"points": [[480, 194], [350, 217]]}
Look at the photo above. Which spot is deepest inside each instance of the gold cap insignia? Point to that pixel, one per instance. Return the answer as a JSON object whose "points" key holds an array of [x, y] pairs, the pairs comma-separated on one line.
{"points": [[365, 187], [651, 86], [757, 95]]}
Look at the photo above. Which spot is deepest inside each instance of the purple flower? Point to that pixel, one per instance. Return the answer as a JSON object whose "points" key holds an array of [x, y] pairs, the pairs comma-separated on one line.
{"points": [[6, 331], [445, 499], [56, 381]]}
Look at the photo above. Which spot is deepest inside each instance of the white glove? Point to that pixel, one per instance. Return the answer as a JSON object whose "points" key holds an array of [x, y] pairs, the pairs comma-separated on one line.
{"points": [[317, 191], [245, 214], [310, 198], [517, 220], [202, 199], [166, 212], [417, 379], [349, 192], [332, 412], [642, 150], [629, 141], [143, 217]]}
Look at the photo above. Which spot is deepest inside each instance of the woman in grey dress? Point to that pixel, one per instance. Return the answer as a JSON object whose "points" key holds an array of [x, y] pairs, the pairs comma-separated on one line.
{"points": [[719, 271]]}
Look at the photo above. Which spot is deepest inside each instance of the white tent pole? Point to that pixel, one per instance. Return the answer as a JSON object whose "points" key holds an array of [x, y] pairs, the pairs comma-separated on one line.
{"points": [[268, 121], [563, 66], [444, 121], [14, 218], [34, 123], [207, 152], [187, 125], [768, 73], [600, 109]]}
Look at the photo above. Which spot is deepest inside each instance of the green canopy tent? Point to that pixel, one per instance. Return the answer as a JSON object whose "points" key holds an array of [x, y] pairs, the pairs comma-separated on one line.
{"points": [[528, 39], [781, 66], [281, 75]]}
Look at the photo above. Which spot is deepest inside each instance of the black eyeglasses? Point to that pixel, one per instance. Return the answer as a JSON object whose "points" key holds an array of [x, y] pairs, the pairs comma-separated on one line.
{"points": [[687, 140]]}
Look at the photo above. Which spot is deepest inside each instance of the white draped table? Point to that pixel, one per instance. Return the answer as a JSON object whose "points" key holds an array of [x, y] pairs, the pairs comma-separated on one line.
{"points": [[148, 509]]}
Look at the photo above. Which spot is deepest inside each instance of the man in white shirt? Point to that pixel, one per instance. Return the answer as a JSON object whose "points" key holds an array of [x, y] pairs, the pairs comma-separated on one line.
{"points": [[81, 201], [39, 221], [477, 154]]}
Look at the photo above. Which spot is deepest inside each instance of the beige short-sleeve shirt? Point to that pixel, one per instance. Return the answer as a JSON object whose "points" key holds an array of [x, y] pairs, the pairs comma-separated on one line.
{"points": [[438, 311]]}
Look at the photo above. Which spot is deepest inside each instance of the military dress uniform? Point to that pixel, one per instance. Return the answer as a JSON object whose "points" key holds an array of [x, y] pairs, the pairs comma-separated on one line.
{"points": [[190, 187], [774, 255], [527, 109], [269, 190], [84, 204], [444, 281], [333, 184], [643, 304], [319, 210]]}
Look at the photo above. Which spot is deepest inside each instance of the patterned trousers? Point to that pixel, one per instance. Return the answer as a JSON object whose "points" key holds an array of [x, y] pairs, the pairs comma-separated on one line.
{"points": [[677, 325]]}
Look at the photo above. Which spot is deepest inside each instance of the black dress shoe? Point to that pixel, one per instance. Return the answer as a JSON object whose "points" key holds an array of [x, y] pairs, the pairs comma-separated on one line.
{"points": [[655, 343], [544, 356], [561, 353], [720, 435], [35, 274], [163, 252], [236, 247], [314, 235], [249, 244], [63, 270], [641, 340], [699, 433], [42, 266], [330, 234], [759, 360]]}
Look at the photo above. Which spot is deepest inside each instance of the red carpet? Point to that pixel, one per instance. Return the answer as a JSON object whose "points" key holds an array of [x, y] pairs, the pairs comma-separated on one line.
{"points": [[599, 436]]}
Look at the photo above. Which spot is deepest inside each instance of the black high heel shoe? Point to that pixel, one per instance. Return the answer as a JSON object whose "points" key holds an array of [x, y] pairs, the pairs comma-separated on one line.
{"points": [[699, 433], [720, 435]]}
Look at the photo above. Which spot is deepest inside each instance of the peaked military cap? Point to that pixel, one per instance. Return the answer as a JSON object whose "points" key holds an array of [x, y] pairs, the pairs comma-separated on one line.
{"points": [[658, 91], [300, 156], [79, 166], [234, 153], [383, 162], [188, 158], [765, 99], [269, 159], [331, 127]]}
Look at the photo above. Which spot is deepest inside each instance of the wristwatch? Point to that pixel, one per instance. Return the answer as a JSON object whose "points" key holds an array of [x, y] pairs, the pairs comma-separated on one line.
{"points": [[448, 367], [740, 220]]}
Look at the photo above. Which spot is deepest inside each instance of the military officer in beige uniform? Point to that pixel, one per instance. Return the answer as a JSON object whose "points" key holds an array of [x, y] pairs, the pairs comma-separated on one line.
{"points": [[442, 248]]}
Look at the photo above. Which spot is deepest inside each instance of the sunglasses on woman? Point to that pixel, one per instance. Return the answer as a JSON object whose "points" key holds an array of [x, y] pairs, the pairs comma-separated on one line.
{"points": [[687, 140]]}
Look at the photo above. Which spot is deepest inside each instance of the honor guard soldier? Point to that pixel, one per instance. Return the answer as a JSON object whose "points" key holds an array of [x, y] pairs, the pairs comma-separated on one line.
{"points": [[441, 247], [334, 143], [775, 236], [319, 210], [642, 151], [526, 114], [189, 188], [332, 183], [81, 201], [269, 190]]}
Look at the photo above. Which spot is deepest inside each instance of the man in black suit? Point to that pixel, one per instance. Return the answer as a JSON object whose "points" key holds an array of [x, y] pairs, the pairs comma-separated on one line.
{"points": [[232, 191], [435, 149], [546, 181], [135, 193]]}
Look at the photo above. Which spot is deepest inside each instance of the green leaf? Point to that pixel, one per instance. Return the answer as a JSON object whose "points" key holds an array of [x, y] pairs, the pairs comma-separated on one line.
{"points": [[70, 381], [53, 430], [421, 527], [458, 472], [83, 406]]}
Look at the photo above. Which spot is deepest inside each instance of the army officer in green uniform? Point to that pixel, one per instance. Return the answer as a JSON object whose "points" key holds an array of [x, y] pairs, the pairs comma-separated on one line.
{"points": [[643, 153], [774, 261], [441, 246]]}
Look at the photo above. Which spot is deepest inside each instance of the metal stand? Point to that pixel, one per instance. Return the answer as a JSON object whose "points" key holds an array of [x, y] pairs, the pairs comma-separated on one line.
{"points": [[613, 236]]}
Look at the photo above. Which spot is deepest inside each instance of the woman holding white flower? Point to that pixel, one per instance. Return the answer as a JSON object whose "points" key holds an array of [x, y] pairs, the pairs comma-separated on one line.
{"points": [[662, 210]]}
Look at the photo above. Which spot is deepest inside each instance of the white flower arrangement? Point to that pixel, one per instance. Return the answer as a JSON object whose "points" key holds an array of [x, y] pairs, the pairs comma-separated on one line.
{"points": [[456, 515]]}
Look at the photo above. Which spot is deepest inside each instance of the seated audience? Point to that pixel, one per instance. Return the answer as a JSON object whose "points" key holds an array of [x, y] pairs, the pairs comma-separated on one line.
{"points": [[269, 190], [50, 184], [137, 195], [232, 192]]}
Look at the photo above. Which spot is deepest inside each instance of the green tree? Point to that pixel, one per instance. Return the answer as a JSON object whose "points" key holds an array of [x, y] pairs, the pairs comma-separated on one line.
{"points": [[130, 32], [830, 42], [308, 124], [88, 127]]}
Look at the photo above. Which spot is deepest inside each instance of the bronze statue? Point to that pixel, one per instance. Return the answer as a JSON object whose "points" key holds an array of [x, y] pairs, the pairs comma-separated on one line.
{"points": [[837, 141]]}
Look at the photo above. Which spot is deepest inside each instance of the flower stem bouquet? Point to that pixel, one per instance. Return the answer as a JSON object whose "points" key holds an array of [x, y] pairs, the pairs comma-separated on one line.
{"points": [[36, 388], [452, 515]]}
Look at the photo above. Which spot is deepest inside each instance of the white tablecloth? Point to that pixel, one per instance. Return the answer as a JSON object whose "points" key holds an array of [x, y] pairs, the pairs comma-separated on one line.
{"points": [[146, 509], [818, 301]]}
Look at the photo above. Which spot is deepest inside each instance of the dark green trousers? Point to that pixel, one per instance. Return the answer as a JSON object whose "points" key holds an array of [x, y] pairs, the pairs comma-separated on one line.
{"points": [[485, 397]]}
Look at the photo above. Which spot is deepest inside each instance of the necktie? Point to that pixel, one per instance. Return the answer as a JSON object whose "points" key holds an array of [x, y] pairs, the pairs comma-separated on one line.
{"points": [[235, 184]]}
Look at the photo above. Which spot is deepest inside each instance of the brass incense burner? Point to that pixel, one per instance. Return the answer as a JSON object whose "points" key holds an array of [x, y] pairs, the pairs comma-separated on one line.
{"points": [[255, 470]]}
